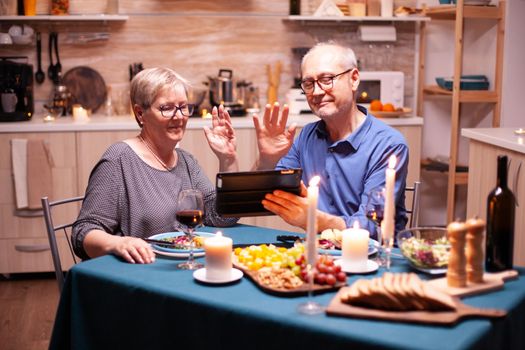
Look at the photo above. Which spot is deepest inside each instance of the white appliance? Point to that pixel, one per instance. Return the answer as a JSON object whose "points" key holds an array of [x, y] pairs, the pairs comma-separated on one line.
{"points": [[386, 86], [296, 100]]}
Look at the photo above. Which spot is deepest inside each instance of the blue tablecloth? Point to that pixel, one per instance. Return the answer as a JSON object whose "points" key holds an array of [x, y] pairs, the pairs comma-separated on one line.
{"points": [[110, 304]]}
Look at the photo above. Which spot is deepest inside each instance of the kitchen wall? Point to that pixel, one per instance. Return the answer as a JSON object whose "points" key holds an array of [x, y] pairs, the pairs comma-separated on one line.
{"points": [[197, 38]]}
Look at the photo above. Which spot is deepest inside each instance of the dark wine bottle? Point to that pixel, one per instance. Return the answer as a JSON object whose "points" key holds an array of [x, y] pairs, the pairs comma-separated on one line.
{"points": [[500, 223]]}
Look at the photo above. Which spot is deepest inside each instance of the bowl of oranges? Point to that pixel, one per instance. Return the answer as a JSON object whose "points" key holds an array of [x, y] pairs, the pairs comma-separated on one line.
{"points": [[387, 110]]}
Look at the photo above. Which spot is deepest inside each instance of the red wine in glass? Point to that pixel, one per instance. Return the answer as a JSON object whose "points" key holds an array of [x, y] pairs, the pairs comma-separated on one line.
{"points": [[190, 212], [375, 214], [190, 218]]}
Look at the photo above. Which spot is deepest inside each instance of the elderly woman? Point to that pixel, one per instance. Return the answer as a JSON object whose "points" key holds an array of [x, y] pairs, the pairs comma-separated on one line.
{"points": [[132, 190]]}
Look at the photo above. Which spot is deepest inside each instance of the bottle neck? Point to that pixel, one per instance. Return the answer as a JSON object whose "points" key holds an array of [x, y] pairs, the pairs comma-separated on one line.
{"points": [[502, 171]]}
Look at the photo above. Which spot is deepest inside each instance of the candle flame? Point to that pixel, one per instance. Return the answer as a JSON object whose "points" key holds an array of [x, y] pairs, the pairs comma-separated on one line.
{"points": [[356, 224], [314, 181], [392, 161]]}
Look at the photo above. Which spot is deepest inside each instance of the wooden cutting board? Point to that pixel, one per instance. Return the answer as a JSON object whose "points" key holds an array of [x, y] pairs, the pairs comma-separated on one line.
{"points": [[338, 308], [87, 87], [491, 282]]}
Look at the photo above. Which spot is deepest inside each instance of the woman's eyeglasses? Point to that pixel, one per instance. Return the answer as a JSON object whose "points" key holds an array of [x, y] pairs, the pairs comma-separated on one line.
{"points": [[170, 111], [326, 83]]}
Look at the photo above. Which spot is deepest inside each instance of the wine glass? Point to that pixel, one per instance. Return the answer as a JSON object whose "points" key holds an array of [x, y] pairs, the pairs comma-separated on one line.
{"points": [[190, 210], [374, 210]]}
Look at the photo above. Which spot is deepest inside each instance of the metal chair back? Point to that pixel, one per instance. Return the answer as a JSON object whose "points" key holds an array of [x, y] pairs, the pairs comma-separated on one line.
{"points": [[413, 209], [54, 229]]}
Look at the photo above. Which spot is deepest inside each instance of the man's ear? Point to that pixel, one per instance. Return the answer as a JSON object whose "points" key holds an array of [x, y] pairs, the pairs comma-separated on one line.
{"points": [[355, 79]]}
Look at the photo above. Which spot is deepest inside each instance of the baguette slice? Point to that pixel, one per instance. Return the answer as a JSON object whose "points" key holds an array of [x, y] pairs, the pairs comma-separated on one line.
{"points": [[397, 292]]}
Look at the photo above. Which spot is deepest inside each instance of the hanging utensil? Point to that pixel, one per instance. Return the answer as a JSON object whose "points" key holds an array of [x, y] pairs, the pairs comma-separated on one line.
{"points": [[51, 68], [58, 66], [39, 75]]}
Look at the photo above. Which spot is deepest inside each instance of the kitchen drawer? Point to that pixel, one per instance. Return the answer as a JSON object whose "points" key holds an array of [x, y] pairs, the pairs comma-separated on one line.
{"points": [[31, 255]]}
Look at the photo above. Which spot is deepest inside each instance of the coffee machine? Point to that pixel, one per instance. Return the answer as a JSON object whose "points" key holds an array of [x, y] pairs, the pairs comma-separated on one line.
{"points": [[16, 90]]}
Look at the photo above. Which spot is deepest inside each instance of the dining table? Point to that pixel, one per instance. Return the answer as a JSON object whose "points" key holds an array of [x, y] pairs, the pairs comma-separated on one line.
{"points": [[107, 303]]}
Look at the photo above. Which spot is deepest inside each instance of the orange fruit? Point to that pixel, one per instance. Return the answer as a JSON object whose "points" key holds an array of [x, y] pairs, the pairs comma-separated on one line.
{"points": [[376, 105], [388, 107]]}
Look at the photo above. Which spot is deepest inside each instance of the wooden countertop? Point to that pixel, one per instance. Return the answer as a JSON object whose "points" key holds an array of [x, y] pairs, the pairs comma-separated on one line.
{"points": [[501, 137], [125, 123]]}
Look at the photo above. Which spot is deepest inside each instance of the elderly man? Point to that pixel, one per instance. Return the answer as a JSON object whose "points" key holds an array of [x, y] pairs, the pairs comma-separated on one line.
{"points": [[348, 148]]}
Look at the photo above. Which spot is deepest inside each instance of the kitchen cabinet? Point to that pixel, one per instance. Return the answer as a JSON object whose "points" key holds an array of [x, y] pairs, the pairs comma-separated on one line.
{"points": [[485, 146], [23, 240], [459, 14]]}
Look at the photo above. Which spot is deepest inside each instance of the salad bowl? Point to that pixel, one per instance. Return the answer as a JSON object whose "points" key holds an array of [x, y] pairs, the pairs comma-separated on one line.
{"points": [[427, 249]]}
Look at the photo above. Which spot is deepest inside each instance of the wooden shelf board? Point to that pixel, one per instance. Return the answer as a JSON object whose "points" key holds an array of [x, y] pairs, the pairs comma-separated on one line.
{"points": [[68, 18], [312, 19], [460, 179], [469, 11], [465, 96]]}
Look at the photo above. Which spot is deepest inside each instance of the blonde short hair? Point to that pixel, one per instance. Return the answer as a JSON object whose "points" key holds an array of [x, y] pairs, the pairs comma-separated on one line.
{"points": [[147, 84]]}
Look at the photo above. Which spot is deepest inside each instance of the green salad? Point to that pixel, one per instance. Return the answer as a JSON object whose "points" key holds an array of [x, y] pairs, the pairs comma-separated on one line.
{"points": [[426, 253]]}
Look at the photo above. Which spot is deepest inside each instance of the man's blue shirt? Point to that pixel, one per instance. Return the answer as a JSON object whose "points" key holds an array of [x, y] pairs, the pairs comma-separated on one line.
{"points": [[350, 168]]}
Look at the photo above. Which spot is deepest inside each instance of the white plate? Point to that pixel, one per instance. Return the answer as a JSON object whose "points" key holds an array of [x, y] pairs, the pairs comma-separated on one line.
{"points": [[177, 253], [371, 266], [372, 249], [200, 275]]}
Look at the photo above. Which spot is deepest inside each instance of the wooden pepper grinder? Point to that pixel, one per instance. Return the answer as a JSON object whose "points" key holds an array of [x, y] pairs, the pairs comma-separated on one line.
{"points": [[456, 272], [474, 254]]}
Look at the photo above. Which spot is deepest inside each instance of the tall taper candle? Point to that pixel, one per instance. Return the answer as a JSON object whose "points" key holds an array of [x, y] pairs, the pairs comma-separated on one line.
{"points": [[311, 222], [388, 218]]}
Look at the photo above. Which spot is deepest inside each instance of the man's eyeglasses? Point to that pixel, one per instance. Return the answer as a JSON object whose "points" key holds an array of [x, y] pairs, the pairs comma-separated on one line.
{"points": [[169, 111], [325, 82]]}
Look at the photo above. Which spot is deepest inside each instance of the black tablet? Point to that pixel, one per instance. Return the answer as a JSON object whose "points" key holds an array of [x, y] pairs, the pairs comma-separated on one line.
{"points": [[240, 193]]}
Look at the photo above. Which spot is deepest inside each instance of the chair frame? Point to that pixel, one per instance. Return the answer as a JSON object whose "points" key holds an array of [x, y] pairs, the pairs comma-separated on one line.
{"points": [[52, 231], [414, 208]]}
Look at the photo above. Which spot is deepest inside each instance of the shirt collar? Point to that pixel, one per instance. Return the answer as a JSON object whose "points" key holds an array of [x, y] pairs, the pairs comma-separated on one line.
{"points": [[354, 139]]}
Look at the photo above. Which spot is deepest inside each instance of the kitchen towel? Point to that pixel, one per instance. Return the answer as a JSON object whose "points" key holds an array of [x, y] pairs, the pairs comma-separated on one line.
{"points": [[19, 167], [32, 172]]}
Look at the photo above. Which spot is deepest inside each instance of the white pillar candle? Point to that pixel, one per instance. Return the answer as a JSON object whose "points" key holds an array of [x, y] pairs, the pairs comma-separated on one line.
{"points": [[218, 251], [311, 223], [80, 113], [390, 210], [355, 248]]}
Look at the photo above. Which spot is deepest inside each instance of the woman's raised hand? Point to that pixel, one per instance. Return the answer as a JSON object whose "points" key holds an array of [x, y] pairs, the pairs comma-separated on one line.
{"points": [[222, 140]]}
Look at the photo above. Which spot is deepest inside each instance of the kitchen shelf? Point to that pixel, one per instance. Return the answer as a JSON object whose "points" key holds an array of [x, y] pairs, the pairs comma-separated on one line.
{"points": [[465, 96], [469, 11], [68, 18], [313, 19], [459, 13]]}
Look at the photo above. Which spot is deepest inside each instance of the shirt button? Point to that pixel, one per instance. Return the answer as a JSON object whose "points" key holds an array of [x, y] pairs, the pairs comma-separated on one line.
{"points": [[331, 150]]}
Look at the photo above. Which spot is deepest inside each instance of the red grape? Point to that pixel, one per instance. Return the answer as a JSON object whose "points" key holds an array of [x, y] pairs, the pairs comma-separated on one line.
{"points": [[330, 280], [320, 278], [341, 276]]}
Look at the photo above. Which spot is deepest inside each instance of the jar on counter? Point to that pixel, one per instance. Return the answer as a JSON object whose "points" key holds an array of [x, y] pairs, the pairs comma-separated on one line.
{"points": [[59, 7]]}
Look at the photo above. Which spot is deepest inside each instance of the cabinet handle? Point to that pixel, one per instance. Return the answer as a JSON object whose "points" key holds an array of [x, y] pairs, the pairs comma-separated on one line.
{"points": [[33, 248], [516, 183]]}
